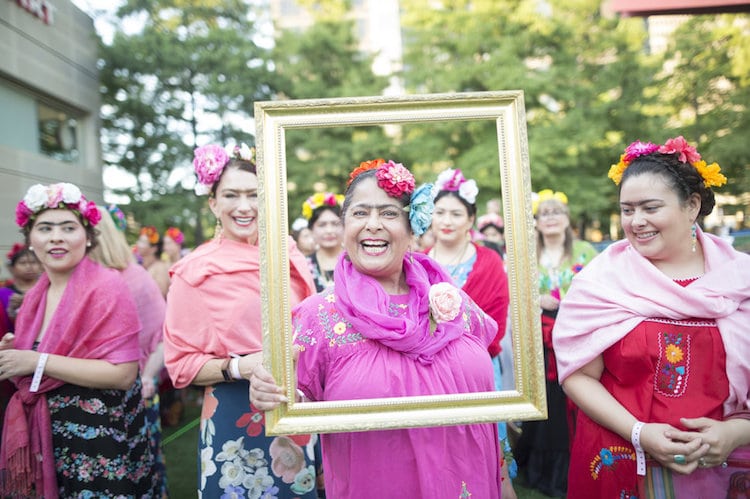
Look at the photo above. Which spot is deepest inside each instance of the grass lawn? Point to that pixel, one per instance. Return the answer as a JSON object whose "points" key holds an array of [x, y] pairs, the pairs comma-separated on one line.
{"points": [[181, 450]]}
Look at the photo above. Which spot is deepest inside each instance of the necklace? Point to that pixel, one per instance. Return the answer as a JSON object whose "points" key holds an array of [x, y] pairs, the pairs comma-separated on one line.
{"points": [[455, 260]]}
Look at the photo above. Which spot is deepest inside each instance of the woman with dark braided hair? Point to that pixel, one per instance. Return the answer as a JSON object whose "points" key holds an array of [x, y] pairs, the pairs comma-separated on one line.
{"points": [[652, 345]]}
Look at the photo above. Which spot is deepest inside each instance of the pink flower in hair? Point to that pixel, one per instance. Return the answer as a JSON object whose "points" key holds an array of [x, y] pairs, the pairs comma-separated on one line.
{"points": [[637, 149], [395, 179], [23, 214], [678, 145], [209, 161]]}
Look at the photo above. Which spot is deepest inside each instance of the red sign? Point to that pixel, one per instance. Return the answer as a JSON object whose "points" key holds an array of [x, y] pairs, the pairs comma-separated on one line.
{"points": [[42, 9]]}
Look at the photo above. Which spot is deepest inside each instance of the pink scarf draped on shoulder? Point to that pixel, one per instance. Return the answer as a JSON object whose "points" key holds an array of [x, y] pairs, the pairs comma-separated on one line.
{"points": [[364, 303], [620, 288], [95, 319]]}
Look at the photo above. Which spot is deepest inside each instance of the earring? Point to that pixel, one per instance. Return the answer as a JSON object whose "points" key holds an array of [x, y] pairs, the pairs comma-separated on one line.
{"points": [[31, 248], [88, 244], [219, 230], [693, 239]]}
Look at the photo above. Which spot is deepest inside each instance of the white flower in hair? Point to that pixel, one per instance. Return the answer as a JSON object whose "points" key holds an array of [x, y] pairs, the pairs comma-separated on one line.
{"points": [[35, 197], [202, 189], [70, 193], [469, 190]]}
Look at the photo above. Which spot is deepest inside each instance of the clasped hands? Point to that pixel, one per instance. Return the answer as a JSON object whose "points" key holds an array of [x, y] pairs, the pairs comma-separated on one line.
{"points": [[706, 443]]}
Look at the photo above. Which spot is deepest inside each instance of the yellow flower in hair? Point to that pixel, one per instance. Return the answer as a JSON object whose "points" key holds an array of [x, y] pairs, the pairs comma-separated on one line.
{"points": [[710, 173], [616, 171], [320, 199], [548, 195]]}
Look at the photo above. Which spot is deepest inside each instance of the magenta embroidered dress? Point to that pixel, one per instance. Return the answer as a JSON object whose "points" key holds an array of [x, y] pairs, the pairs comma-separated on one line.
{"points": [[369, 345]]}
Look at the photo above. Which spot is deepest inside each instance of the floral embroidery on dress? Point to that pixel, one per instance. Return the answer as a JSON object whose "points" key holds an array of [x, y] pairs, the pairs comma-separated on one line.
{"points": [[464, 491], [397, 309], [254, 420], [673, 364], [608, 457]]}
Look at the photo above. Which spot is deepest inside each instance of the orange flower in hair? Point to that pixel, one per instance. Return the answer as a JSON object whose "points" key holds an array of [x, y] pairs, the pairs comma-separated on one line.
{"points": [[363, 167], [151, 234]]}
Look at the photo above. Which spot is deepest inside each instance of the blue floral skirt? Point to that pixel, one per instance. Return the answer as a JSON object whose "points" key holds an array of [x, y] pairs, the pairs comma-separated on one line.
{"points": [[237, 459]]}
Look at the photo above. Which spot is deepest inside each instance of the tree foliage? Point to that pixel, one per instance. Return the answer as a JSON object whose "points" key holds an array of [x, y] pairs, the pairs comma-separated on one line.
{"points": [[188, 77]]}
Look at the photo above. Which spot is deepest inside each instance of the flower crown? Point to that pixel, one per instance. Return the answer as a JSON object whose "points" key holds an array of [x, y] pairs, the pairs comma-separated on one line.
{"points": [[209, 161], [14, 250], [490, 219], [547, 195], [63, 195], [396, 181], [454, 181], [685, 153], [175, 235], [320, 199], [118, 217], [151, 234]]}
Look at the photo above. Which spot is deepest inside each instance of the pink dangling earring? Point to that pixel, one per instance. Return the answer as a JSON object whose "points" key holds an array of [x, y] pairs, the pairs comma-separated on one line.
{"points": [[218, 231], [694, 239]]}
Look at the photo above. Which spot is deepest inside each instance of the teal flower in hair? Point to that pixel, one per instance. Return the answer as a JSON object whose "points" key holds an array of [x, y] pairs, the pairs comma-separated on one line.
{"points": [[421, 206]]}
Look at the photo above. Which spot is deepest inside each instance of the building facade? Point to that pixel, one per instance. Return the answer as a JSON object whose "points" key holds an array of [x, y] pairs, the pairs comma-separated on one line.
{"points": [[49, 104]]}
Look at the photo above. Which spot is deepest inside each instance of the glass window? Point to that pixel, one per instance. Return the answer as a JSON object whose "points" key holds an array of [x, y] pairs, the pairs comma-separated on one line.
{"points": [[58, 133]]}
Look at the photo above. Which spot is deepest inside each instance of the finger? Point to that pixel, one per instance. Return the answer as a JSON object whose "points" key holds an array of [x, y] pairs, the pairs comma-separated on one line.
{"points": [[699, 453], [696, 423], [682, 436]]}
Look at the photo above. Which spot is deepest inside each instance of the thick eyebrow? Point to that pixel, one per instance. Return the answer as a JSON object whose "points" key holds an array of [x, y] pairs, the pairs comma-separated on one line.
{"points": [[376, 206], [239, 191], [640, 203], [52, 224]]}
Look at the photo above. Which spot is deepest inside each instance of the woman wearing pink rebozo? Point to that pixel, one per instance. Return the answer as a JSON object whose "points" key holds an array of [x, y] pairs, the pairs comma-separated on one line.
{"points": [[213, 338], [393, 325], [652, 342], [75, 426]]}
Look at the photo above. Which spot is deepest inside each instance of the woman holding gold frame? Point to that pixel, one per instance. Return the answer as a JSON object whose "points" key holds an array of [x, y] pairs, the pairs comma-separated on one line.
{"points": [[393, 324], [275, 121]]}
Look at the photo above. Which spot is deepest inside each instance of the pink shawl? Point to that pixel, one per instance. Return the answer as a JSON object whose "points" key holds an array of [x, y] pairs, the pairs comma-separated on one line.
{"points": [[620, 288], [96, 319], [364, 303], [214, 307]]}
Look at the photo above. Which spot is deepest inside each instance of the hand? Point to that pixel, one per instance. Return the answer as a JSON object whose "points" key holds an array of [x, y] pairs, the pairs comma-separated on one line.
{"points": [[17, 362], [265, 394], [549, 302], [6, 343], [720, 436], [148, 387], [663, 442]]}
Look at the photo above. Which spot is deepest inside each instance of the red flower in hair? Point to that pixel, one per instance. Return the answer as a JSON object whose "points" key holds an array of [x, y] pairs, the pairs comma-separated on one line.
{"points": [[363, 167]]}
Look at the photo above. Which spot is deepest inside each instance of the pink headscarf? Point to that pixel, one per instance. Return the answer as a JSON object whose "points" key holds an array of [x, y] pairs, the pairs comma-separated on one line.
{"points": [[620, 288], [365, 304], [95, 319]]}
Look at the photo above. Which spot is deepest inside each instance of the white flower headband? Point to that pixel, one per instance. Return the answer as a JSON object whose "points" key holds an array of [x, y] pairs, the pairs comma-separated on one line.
{"points": [[454, 181]]}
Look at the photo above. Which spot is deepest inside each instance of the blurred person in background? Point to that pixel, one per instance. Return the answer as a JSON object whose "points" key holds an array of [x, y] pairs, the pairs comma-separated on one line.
{"points": [[25, 269], [323, 213], [543, 449], [172, 242], [303, 236], [113, 252], [149, 247]]}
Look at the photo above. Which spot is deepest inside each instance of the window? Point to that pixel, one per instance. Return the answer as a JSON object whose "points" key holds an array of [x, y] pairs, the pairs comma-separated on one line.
{"points": [[58, 133]]}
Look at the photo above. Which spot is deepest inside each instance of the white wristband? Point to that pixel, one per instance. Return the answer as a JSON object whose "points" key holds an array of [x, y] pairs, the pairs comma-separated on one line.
{"points": [[640, 456], [234, 368], [38, 372]]}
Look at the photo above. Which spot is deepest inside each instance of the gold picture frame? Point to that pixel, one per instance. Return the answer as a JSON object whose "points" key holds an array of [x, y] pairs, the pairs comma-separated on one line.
{"points": [[506, 108]]}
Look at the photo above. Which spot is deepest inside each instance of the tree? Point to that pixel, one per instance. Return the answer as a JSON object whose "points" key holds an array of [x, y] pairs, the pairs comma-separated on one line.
{"points": [[189, 77], [325, 61], [586, 90]]}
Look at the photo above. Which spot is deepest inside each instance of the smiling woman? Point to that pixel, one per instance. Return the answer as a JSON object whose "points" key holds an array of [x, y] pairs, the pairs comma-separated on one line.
{"points": [[76, 375], [212, 338]]}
